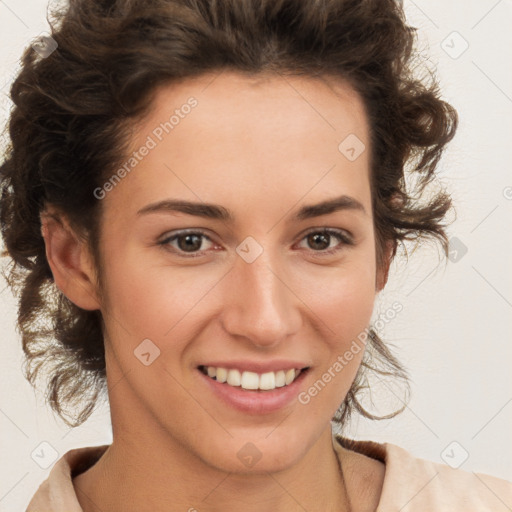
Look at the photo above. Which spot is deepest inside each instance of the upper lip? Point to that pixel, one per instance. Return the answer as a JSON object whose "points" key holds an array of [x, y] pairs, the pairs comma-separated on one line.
{"points": [[257, 367]]}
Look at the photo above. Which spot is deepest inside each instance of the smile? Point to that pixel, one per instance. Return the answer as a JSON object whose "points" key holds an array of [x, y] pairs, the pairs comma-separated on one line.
{"points": [[251, 380]]}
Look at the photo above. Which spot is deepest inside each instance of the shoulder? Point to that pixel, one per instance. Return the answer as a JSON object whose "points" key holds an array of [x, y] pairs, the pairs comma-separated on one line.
{"points": [[432, 484], [57, 493], [414, 484], [364, 472]]}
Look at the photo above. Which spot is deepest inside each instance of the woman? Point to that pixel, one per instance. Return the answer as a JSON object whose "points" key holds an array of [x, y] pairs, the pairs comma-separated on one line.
{"points": [[204, 198]]}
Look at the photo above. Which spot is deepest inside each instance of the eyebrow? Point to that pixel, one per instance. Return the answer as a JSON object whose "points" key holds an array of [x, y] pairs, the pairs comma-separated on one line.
{"points": [[218, 212]]}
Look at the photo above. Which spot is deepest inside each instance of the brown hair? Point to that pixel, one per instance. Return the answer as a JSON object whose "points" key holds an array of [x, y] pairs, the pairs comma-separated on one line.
{"points": [[74, 110]]}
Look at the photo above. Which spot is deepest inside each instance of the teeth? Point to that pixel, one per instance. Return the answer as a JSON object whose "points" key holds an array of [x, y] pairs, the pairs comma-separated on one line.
{"points": [[268, 381], [234, 378], [222, 374], [280, 379], [252, 380]]}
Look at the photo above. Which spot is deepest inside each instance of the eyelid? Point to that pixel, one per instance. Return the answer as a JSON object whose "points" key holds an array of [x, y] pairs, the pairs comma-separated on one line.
{"points": [[344, 237], [182, 232], [325, 229], [173, 235]]}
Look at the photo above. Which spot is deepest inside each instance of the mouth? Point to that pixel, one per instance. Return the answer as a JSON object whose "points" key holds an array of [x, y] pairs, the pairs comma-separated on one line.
{"points": [[253, 381]]}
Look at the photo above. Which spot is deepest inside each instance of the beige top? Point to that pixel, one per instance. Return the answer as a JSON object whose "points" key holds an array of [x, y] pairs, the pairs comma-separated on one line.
{"points": [[410, 483]]}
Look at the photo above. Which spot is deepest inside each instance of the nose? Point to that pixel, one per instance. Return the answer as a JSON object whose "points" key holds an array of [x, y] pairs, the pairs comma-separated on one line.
{"points": [[259, 303]]}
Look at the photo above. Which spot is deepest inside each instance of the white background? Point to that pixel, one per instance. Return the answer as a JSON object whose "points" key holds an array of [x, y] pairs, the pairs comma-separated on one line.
{"points": [[453, 333]]}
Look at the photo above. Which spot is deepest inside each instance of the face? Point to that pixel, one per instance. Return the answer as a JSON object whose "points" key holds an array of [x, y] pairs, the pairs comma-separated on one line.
{"points": [[259, 283]]}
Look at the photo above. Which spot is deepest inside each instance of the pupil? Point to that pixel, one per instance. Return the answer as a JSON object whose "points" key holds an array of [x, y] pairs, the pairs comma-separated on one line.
{"points": [[322, 236], [188, 245]]}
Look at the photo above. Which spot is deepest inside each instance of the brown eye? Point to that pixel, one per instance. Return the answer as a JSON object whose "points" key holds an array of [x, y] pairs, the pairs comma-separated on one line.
{"points": [[320, 240], [190, 242]]}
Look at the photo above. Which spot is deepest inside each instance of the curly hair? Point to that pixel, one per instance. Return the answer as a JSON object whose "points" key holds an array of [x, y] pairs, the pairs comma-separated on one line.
{"points": [[75, 109]]}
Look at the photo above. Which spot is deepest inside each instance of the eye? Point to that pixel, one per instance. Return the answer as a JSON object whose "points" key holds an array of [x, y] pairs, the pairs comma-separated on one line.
{"points": [[188, 243], [320, 240]]}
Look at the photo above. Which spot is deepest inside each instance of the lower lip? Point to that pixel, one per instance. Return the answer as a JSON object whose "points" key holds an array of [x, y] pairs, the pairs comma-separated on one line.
{"points": [[255, 402]]}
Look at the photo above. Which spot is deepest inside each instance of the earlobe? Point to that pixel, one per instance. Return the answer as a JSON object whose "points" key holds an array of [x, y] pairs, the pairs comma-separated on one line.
{"points": [[70, 261], [383, 272]]}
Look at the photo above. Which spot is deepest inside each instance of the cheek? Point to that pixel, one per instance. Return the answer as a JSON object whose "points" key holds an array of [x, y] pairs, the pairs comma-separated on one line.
{"points": [[342, 297], [345, 306], [165, 304], [159, 301], [348, 309]]}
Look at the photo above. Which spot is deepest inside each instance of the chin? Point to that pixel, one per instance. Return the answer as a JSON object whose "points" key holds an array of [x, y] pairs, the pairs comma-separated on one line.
{"points": [[254, 453]]}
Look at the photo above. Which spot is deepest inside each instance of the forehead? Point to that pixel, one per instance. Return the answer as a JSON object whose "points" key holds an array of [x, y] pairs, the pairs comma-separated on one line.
{"points": [[223, 135], [325, 102]]}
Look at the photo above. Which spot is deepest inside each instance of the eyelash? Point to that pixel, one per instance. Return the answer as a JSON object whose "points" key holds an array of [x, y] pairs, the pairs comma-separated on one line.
{"points": [[343, 237]]}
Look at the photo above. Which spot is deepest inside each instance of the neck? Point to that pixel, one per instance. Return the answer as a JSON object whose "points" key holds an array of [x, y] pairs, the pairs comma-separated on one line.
{"points": [[170, 476]]}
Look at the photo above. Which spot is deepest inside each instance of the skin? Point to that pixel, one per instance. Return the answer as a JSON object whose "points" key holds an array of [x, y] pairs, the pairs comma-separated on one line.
{"points": [[262, 147]]}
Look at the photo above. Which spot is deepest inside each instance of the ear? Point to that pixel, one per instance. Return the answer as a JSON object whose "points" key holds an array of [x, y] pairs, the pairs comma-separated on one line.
{"points": [[70, 260], [383, 271]]}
